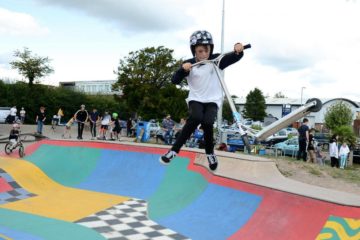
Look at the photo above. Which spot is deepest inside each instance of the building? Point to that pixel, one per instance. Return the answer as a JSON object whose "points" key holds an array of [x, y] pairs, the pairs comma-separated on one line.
{"points": [[279, 107], [91, 87]]}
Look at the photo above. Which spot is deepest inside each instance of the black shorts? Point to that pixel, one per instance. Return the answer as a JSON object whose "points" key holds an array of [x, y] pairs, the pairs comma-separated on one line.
{"points": [[116, 129], [105, 127]]}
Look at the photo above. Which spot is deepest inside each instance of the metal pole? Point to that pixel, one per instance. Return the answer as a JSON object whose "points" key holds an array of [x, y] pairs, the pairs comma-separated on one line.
{"points": [[302, 89], [219, 115]]}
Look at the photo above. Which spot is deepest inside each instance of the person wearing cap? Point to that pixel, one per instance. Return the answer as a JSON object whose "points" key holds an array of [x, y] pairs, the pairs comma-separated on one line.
{"points": [[81, 116]]}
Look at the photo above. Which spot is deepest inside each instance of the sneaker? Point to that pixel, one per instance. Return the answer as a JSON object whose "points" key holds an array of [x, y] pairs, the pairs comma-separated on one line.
{"points": [[213, 162], [165, 159]]}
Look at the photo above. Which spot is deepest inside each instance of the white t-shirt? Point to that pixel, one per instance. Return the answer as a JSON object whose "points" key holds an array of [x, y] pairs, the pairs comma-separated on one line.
{"points": [[106, 120], [22, 113], [204, 85], [13, 111]]}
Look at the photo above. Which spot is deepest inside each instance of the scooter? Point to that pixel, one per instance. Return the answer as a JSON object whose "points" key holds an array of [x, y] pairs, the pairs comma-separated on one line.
{"points": [[312, 105]]}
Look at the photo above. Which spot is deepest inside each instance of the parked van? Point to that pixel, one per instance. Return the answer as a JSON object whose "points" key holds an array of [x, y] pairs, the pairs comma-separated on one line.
{"points": [[4, 112]]}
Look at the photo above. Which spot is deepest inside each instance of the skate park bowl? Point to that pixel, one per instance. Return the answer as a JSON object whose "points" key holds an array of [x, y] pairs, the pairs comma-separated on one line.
{"points": [[100, 190]]}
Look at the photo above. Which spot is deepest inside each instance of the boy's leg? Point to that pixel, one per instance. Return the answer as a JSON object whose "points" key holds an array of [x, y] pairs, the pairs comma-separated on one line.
{"points": [[195, 117], [210, 114]]}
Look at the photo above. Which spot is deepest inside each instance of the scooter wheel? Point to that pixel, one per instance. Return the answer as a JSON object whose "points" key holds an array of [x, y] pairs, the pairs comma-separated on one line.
{"points": [[318, 105]]}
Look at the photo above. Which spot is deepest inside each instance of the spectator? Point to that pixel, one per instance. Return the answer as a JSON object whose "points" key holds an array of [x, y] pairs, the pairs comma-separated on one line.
{"points": [[320, 158], [94, 118], [303, 140], [12, 114], [81, 116], [40, 119], [343, 153], [129, 127], [22, 115], [114, 135], [60, 114], [105, 122], [334, 151], [168, 126], [311, 146]]}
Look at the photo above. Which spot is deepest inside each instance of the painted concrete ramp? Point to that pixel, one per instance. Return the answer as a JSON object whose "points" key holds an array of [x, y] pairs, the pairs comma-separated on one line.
{"points": [[92, 190]]}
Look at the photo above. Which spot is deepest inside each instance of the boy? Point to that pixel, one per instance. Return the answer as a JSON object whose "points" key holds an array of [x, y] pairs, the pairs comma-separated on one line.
{"points": [[205, 95], [114, 135], [14, 135]]}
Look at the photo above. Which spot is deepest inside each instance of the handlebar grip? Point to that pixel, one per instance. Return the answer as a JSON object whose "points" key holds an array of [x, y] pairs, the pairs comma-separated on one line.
{"points": [[247, 46]]}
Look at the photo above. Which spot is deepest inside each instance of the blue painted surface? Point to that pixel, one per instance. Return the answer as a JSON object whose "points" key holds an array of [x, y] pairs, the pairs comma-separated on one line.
{"points": [[217, 214], [13, 234], [132, 174]]}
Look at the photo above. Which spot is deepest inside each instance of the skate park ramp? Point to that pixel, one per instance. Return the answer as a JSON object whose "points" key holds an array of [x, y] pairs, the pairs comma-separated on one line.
{"points": [[98, 190]]}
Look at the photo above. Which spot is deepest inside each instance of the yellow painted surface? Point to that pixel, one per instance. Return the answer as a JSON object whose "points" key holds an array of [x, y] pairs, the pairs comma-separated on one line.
{"points": [[4, 237], [53, 199]]}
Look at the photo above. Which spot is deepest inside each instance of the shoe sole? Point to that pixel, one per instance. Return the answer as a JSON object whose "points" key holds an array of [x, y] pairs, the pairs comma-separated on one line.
{"points": [[162, 162]]}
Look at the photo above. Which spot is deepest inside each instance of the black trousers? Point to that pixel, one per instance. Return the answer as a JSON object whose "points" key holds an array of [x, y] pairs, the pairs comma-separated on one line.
{"points": [[199, 113], [302, 153], [334, 162], [92, 129], [80, 129]]}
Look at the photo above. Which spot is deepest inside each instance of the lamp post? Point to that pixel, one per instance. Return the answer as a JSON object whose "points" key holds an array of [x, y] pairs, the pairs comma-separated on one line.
{"points": [[220, 111], [302, 90]]}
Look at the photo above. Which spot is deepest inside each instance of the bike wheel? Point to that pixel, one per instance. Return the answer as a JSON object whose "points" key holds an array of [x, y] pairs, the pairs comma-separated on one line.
{"points": [[8, 149], [21, 151]]}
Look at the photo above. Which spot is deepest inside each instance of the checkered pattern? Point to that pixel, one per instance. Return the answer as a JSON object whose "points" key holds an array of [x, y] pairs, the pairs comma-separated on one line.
{"points": [[128, 220], [16, 194]]}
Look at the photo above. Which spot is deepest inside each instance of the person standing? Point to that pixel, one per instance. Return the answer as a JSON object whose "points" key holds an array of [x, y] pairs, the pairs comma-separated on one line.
{"points": [[311, 146], [22, 115], [205, 93], [81, 116], [168, 127], [40, 119], [334, 151], [343, 153], [13, 112], [94, 118], [303, 140]]}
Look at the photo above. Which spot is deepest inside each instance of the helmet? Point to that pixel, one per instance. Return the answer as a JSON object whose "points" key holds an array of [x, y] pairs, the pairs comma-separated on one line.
{"points": [[15, 125], [115, 115], [201, 38]]}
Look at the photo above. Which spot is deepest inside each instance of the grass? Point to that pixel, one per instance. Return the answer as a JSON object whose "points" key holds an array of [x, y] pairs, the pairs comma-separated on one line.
{"points": [[350, 174]]}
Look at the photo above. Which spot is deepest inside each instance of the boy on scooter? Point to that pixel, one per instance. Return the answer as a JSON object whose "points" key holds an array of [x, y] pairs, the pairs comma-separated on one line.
{"points": [[205, 95]]}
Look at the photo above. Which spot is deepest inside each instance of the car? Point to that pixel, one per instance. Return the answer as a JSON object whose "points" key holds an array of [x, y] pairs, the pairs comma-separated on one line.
{"points": [[290, 147], [4, 112], [356, 154]]}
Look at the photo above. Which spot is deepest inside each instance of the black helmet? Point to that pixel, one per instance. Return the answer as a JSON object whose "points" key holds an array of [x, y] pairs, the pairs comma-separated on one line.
{"points": [[201, 38]]}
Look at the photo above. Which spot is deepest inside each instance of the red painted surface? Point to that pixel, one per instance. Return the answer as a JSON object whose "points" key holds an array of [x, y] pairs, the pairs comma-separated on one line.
{"points": [[280, 215], [4, 185]]}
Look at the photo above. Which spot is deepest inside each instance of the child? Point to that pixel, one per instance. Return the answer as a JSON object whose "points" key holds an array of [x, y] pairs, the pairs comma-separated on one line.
{"points": [[105, 122], [114, 135], [343, 154], [14, 135], [67, 130], [205, 95], [334, 151], [320, 159]]}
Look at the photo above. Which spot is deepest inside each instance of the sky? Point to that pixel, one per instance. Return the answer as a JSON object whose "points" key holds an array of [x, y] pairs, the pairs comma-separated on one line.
{"points": [[308, 48]]}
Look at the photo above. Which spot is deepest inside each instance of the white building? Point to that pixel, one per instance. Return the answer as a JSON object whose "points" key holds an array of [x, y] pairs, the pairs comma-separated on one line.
{"points": [[279, 107], [91, 87]]}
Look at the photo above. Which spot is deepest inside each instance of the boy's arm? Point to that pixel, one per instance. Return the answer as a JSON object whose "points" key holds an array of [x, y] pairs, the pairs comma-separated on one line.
{"points": [[180, 74], [229, 59]]}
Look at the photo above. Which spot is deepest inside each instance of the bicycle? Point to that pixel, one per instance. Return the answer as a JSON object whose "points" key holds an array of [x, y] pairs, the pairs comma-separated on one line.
{"points": [[11, 146]]}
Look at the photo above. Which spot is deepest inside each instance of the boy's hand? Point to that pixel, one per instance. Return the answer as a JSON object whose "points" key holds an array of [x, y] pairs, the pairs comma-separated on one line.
{"points": [[238, 48], [186, 67]]}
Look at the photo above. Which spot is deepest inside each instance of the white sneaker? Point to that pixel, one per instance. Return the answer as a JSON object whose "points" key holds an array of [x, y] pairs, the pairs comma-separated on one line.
{"points": [[213, 162], [165, 159]]}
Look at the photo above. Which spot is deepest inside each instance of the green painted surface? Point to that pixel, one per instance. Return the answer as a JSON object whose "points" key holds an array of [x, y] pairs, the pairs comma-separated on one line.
{"points": [[66, 165], [46, 228], [179, 188]]}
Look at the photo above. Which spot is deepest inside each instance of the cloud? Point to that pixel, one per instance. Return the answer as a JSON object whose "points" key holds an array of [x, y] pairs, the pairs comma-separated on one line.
{"points": [[131, 16], [19, 24]]}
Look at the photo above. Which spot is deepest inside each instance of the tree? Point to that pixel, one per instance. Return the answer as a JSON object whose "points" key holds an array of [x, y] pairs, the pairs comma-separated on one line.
{"points": [[279, 95], [338, 114], [338, 118], [255, 105], [144, 77], [31, 66]]}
